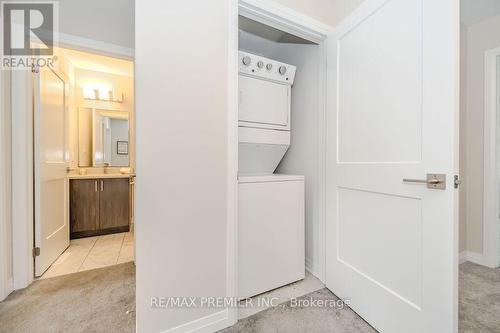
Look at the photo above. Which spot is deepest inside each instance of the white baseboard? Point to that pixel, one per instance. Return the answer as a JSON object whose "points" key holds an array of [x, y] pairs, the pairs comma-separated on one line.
{"points": [[209, 324], [474, 257], [462, 257], [311, 268], [9, 287]]}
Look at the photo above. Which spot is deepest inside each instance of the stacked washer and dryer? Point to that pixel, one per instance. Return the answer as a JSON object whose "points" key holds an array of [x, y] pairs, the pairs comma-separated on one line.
{"points": [[271, 250]]}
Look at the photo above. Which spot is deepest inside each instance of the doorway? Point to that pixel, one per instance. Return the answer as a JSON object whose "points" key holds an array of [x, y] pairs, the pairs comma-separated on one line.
{"points": [[279, 126], [84, 160], [491, 222], [479, 166]]}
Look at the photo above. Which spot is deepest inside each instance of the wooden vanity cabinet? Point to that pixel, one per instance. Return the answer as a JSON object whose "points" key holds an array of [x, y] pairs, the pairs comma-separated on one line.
{"points": [[99, 206], [84, 205]]}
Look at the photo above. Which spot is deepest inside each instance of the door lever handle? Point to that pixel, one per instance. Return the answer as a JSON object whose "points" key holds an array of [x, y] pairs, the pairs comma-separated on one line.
{"points": [[433, 181], [422, 181]]}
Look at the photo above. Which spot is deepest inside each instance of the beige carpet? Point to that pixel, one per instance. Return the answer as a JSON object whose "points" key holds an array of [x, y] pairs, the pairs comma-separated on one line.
{"points": [[98, 301], [479, 305], [300, 319], [479, 310], [93, 301]]}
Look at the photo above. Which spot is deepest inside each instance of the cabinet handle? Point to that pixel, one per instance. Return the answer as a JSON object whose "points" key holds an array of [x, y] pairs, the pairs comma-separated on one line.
{"points": [[95, 183], [102, 185]]}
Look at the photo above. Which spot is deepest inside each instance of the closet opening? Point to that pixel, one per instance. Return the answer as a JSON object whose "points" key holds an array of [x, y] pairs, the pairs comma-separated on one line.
{"points": [[280, 165]]}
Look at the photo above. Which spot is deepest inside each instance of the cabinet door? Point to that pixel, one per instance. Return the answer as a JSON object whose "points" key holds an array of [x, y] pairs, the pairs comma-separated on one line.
{"points": [[84, 205], [114, 203]]}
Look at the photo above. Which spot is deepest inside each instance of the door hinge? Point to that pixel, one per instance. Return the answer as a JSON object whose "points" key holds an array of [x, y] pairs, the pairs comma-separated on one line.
{"points": [[456, 181], [36, 251]]}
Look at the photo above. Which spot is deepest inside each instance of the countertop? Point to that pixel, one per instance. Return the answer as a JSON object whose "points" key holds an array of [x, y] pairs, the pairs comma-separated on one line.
{"points": [[101, 175]]}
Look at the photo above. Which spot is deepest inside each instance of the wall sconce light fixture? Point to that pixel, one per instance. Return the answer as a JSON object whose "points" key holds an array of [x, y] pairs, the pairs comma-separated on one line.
{"points": [[99, 94]]}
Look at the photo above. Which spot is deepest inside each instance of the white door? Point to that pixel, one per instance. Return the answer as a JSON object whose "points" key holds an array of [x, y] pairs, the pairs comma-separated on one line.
{"points": [[393, 114], [50, 163]]}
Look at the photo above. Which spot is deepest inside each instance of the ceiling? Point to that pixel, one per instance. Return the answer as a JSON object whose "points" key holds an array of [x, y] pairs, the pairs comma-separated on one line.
{"points": [[475, 11], [99, 63]]}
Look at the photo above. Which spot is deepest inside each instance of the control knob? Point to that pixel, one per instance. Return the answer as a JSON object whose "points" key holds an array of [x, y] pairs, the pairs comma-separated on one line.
{"points": [[246, 60], [282, 70]]}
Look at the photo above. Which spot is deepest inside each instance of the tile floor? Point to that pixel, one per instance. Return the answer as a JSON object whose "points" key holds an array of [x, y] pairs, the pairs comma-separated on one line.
{"points": [[93, 252]]}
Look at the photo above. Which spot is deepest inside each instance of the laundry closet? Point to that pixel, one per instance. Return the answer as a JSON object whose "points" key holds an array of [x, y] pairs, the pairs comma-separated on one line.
{"points": [[279, 134]]}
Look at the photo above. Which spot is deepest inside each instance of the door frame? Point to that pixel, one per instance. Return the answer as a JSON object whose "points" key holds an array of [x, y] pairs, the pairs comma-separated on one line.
{"points": [[22, 166], [491, 195], [285, 19], [6, 282]]}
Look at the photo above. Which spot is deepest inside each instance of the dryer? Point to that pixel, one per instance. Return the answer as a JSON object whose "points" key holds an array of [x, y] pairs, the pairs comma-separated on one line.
{"points": [[264, 112]]}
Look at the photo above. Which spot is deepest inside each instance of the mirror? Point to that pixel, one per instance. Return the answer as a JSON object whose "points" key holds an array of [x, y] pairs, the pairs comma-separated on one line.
{"points": [[103, 138]]}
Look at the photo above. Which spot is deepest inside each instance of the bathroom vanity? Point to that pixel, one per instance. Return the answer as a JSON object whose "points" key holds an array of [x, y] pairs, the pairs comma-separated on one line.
{"points": [[99, 204], [100, 195]]}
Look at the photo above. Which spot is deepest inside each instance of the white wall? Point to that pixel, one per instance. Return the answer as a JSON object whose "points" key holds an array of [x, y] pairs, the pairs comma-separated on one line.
{"points": [[181, 189], [327, 11], [303, 156], [22, 177], [480, 37], [463, 140], [110, 21], [6, 269]]}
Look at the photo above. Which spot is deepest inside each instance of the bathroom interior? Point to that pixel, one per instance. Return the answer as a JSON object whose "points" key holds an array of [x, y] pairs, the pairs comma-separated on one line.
{"points": [[89, 223]]}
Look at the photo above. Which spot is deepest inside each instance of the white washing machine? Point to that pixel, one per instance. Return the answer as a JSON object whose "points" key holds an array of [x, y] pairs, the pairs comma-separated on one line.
{"points": [[271, 250]]}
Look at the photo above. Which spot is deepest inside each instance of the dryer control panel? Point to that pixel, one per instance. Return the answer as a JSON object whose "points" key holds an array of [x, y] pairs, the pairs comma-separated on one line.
{"points": [[265, 68]]}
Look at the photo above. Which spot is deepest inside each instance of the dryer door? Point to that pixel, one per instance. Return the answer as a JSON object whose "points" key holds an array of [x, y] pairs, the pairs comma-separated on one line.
{"points": [[263, 103]]}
